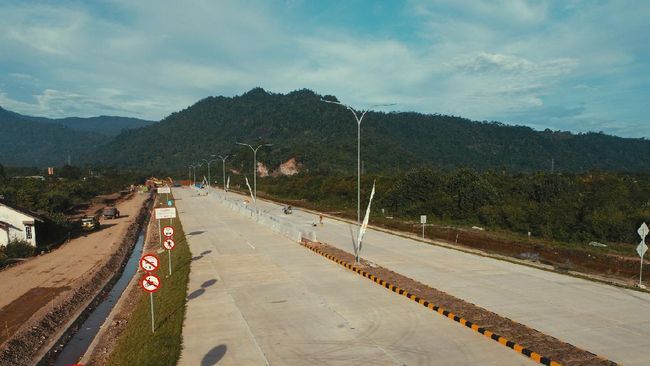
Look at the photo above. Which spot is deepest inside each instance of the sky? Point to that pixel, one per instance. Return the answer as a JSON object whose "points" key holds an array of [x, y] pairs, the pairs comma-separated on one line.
{"points": [[564, 65]]}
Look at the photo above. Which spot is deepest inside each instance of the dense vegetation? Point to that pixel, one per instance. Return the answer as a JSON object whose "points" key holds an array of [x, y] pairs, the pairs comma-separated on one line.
{"points": [[579, 208], [322, 137], [106, 125], [37, 141]]}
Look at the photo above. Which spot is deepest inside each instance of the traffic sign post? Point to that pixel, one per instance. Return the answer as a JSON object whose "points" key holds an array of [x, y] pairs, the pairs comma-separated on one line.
{"points": [[166, 190], [641, 249], [151, 283], [149, 263], [423, 220], [165, 213], [169, 245], [168, 231]]}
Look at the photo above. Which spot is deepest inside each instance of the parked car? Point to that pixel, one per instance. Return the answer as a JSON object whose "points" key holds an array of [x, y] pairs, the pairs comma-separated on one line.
{"points": [[89, 223], [110, 212]]}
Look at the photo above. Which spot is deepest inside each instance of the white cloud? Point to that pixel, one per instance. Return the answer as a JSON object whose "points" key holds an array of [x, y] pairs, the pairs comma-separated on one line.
{"points": [[507, 59]]}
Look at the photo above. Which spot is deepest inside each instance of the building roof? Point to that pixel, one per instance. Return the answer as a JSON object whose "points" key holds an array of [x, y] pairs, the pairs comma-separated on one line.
{"points": [[22, 210]]}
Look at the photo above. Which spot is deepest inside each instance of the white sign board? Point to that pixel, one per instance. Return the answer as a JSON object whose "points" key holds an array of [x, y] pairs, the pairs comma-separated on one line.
{"points": [[423, 219], [643, 231], [166, 213], [641, 249], [164, 190]]}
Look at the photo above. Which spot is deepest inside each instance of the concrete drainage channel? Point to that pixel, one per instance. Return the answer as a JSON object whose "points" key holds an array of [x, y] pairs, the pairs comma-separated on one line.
{"points": [[81, 331], [83, 335]]}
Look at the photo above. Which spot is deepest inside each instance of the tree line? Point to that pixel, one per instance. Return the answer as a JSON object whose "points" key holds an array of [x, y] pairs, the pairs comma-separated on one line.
{"points": [[56, 196], [592, 206]]}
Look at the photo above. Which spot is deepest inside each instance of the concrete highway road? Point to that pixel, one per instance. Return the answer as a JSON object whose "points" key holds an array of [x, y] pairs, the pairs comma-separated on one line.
{"points": [[258, 298], [609, 321]]}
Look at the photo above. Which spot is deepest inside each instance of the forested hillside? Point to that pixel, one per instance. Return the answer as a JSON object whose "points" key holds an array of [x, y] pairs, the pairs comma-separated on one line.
{"points": [[106, 125], [322, 137], [28, 143], [39, 141]]}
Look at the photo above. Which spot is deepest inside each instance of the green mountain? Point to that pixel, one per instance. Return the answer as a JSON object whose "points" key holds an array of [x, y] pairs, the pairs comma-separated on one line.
{"points": [[24, 142], [322, 137], [106, 125], [40, 141]]}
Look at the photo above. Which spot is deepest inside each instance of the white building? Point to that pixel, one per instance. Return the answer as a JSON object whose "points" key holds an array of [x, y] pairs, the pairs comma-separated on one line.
{"points": [[17, 223]]}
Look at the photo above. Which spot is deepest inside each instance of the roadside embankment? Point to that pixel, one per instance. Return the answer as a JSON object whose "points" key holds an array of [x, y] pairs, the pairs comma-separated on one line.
{"points": [[37, 338]]}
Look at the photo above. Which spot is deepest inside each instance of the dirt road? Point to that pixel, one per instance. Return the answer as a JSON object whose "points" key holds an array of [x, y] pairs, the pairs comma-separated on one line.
{"points": [[31, 288]]}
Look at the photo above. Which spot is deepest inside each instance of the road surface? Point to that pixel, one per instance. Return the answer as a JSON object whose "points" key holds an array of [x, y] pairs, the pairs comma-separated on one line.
{"points": [[258, 298], [609, 321]]}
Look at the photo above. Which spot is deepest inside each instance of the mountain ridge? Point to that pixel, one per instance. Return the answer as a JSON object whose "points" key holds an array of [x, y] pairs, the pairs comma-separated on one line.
{"points": [[107, 125], [322, 137]]}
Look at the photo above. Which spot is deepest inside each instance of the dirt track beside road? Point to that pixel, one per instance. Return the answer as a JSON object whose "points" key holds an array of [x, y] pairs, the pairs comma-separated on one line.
{"points": [[57, 274]]}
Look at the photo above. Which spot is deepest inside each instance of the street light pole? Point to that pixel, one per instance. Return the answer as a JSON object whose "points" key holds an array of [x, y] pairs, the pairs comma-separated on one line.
{"points": [[254, 165], [197, 165], [192, 174], [209, 161], [223, 160], [358, 119]]}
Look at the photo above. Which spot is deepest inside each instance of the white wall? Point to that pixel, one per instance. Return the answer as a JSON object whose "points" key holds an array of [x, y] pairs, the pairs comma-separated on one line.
{"points": [[17, 228]]}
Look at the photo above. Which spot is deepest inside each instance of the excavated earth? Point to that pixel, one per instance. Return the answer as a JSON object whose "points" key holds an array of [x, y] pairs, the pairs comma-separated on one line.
{"points": [[29, 341]]}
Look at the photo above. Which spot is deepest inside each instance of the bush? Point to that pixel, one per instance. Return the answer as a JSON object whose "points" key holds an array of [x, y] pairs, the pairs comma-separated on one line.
{"points": [[18, 248]]}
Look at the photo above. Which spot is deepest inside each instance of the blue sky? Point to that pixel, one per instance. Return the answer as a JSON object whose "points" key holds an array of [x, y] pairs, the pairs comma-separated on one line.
{"points": [[564, 65]]}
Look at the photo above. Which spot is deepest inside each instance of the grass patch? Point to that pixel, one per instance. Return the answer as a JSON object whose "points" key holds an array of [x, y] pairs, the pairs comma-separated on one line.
{"points": [[137, 345]]}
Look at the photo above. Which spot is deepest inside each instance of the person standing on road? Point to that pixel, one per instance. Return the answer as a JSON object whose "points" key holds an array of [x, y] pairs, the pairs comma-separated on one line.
{"points": [[320, 216]]}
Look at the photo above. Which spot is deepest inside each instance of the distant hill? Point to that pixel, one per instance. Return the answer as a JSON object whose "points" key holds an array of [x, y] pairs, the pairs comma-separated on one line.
{"points": [[40, 141], [24, 142], [322, 137], [106, 125]]}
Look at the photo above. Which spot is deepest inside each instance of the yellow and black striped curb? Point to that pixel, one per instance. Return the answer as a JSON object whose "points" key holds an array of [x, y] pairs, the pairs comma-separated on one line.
{"points": [[518, 348]]}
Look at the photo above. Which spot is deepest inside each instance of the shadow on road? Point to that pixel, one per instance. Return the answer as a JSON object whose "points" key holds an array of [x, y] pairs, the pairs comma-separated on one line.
{"points": [[196, 232], [208, 283], [215, 354], [195, 294]]}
